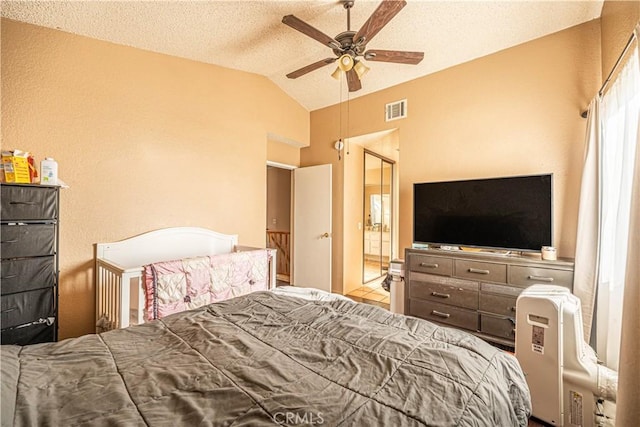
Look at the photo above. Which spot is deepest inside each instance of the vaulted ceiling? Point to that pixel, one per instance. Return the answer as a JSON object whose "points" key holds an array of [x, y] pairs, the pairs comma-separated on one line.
{"points": [[249, 35]]}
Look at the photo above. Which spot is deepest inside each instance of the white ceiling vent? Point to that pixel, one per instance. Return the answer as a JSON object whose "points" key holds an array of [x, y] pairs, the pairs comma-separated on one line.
{"points": [[396, 110]]}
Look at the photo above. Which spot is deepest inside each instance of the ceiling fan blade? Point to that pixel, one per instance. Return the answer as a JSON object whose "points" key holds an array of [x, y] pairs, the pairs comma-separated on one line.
{"points": [[304, 70], [397, 56], [353, 81], [378, 19], [314, 33]]}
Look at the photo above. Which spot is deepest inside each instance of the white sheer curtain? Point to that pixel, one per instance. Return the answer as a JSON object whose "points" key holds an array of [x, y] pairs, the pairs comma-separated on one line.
{"points": [[628, 402], [605, 211], [588, 234], [619, 115]]}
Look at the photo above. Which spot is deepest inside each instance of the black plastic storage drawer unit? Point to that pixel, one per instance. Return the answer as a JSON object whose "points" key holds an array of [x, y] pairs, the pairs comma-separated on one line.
{"points": [[29, 217]]}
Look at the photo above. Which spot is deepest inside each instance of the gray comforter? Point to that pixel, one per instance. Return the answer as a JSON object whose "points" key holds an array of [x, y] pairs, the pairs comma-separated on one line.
{"points": [[267, 359]]}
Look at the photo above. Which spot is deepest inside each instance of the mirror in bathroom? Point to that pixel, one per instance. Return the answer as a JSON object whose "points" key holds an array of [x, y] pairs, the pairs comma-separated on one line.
{"points": [[378, 198]]}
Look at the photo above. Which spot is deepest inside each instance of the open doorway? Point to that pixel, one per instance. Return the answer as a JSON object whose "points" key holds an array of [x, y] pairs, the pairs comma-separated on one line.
{"points": [[370, 214], [279, 219], [299, 224]]}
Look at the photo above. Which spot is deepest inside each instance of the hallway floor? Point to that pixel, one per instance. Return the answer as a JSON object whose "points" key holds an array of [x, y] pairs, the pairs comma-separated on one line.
{"points": [[371, 293]]}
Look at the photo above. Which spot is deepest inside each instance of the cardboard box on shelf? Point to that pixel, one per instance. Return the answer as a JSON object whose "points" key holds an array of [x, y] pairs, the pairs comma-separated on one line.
{"points": [[16, 167]]}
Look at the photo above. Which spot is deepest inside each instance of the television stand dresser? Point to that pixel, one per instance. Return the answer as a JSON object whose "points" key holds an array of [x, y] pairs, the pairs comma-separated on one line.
{"points": [[476, 291]]}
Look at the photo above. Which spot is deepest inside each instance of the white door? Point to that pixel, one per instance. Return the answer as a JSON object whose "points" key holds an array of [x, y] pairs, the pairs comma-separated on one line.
{"points": [[312, 227]]}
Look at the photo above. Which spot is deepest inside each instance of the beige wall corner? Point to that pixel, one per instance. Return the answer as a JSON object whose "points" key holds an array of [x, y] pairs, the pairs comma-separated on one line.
{"points": [[283, 153], [353, 221]]}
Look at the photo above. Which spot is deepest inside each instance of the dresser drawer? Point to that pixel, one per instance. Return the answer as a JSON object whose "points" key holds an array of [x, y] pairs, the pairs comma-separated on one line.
{"points": [[32, 333], [431, 264], [27, 240], [484, 271], [527, 276], [505, 290], [23, 203], [498, 304], [27, 307], [467, 319], [446, 290], [503, 327], [25, 274]]}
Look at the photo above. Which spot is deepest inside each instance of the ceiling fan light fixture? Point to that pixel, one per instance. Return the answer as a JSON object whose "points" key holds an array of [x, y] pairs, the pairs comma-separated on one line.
{"points": [[360, 69], [349, 45], [345, 62]]}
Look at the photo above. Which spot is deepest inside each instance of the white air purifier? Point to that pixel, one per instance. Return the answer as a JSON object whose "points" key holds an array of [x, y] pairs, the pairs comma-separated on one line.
{"points": [[396, 270], [568, 386]]}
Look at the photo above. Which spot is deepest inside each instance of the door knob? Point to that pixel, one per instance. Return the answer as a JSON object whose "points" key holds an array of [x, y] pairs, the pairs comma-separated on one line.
{"points": [[324, 236]]}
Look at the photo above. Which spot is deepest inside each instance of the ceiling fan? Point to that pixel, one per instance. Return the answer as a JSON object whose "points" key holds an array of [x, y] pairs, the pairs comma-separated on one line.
{"points": [[350, 45]]}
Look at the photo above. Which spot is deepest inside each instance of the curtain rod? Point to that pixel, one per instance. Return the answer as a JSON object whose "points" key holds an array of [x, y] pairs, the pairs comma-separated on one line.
{"points": [[633, 37]]}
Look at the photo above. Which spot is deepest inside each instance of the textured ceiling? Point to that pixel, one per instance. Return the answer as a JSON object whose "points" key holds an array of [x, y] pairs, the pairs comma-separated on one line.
{"points": [[249, 35]]}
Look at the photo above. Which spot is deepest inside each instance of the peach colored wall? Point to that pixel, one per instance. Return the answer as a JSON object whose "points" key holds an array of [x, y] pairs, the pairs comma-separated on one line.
{"points": [[353, 220], [618, 18], [283, 153], [144, 140], [510, 113]]}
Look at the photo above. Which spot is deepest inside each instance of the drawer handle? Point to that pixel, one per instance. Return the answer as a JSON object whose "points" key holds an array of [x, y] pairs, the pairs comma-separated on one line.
{"points": [[440, 314], [11, 276], [478, 271], [439, 295], [512, 309], [22, 203], [9, 310], [428, 265], [541, 278], [10, 241]]}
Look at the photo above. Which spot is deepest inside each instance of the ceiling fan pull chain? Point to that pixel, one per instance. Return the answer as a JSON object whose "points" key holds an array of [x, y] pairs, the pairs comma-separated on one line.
{"points": [[340, 109], [348, 115]]}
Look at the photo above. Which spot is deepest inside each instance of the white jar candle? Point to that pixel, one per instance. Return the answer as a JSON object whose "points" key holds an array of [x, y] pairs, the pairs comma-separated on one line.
{"points": [[549, 253]]}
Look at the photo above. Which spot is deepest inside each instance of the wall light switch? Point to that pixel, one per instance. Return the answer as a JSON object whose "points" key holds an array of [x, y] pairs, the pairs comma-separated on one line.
{"points": [[359, 226], [274, 221]]}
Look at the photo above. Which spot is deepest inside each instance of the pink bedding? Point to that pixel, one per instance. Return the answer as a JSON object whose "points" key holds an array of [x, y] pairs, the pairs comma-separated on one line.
{"points": [[174, 286]]}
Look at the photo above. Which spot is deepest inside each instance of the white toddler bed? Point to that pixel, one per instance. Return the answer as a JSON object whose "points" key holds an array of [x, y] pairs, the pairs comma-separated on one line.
{"points": [[120, 299]]}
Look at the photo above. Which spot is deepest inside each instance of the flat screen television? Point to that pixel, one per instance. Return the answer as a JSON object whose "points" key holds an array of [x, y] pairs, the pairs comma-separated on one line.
{"points": [[507, 213]]}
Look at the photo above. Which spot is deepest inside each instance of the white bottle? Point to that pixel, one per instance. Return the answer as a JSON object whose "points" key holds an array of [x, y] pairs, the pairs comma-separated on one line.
{"points": [[48, 172]]}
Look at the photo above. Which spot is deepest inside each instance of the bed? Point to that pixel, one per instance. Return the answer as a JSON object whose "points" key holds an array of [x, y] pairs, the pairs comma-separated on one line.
{"points": [[281, 357], [123, 290]]}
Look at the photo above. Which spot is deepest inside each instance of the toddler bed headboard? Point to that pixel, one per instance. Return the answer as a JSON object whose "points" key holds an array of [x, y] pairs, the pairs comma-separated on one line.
{"points": [[120, 299]]}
